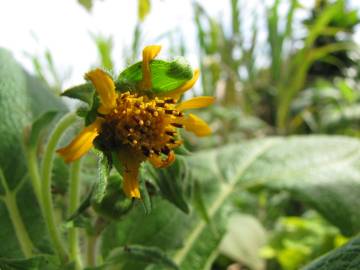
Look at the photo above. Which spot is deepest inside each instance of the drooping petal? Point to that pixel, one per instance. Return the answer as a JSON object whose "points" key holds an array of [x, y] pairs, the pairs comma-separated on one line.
{"points": [[131, 182], [82, 143], [158, 162], [195, 103], [196, 125], [105, 88], [149, 53], [186, 86], [131, 163]]}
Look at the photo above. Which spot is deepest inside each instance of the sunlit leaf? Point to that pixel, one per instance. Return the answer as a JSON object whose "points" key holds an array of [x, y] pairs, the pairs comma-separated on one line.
{"points": [[244, 238], [166, 76], [323, 172]]}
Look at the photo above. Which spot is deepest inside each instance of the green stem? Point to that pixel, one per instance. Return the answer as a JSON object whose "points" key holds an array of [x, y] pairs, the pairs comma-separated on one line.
{"points": [[34, 173], [55, 136], [92, 240], [91, 250], [73, 204], [9, 199]]}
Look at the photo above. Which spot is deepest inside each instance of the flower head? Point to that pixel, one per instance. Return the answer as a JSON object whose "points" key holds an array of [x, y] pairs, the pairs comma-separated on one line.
{"points": [[138, 125]]}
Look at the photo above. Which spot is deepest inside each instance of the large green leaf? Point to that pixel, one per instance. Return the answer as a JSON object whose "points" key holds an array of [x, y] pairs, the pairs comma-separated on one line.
{"points": [[346, 257], [321, 171], [14, 106], [22, 99]]}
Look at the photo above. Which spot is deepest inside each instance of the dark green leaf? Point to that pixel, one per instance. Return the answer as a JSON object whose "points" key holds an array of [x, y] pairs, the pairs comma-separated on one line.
{"points": [[164, 228], [346, 257], [115, 204], [141, 254], [85, 204], [43, 262], [173, 182], [145, 197]]}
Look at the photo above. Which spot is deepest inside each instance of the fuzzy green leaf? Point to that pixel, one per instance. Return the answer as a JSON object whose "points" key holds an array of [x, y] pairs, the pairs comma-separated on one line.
{"points": [[346, 257], [84, 92], [321, 171], [104, 170], [22, 99]]}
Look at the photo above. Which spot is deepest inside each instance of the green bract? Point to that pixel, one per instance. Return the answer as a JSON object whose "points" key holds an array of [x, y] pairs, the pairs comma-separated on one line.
{"points": [[166, 76]]}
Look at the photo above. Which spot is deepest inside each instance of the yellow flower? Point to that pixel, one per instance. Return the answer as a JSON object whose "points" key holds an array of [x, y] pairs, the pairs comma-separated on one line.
{"points": [[136, 126]]}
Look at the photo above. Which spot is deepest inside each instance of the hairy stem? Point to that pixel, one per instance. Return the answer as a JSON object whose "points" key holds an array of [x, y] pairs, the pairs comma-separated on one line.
{"points": [[48, 208], [73, 242], [92, 241], [91, 250], [34, 173], [26, 245]]}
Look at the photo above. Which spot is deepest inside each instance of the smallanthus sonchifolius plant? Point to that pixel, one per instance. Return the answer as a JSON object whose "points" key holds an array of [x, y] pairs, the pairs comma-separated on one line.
{"points": [[129, 121], [107, 216]]}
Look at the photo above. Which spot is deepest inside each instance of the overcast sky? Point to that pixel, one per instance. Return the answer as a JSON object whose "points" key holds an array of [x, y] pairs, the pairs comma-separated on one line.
{"points": [[64, 26]]}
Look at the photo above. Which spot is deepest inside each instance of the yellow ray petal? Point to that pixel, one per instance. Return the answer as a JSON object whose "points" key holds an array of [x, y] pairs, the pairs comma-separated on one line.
{"points": [[130, 176], [82, 143], [131, 183], [157, 162], [105, 88], [196, 125], [183, 88], [131, 162], [196, 103], [149, 53]]}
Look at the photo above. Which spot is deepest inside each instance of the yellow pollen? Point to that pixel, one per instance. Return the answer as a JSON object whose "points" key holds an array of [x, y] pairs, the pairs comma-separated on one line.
{"points": [[144, 124]]}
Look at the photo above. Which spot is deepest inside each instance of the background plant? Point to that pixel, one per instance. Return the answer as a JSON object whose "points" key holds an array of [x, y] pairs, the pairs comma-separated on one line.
{"points": [[295, 197]]}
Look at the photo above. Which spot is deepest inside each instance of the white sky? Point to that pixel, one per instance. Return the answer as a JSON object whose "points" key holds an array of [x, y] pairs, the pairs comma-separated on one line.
{"points": [[64, 27]]}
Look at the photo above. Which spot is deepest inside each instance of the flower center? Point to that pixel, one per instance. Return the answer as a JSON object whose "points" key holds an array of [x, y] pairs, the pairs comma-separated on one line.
{"points": [[146, 125]]}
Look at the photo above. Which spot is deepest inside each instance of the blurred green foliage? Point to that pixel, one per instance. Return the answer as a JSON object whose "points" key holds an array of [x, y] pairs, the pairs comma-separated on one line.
{"points": [[301, 83]]}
